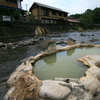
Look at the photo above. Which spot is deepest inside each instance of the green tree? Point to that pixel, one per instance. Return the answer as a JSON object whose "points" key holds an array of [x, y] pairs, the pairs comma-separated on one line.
{"points": [[76, 16], [87, 18], [16, 14], [31, 17], [5, 11], [96, 15]]}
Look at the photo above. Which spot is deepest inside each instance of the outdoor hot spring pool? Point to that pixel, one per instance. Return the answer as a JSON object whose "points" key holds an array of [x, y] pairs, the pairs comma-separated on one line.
{"points": [[64, 64]]}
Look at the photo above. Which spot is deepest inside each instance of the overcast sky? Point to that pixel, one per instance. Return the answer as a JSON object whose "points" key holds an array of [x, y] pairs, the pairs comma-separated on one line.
{"points": [[71, 6]]}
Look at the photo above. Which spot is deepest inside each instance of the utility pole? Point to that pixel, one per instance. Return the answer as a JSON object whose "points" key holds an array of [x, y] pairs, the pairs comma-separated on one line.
{"points": [[26, 6]]}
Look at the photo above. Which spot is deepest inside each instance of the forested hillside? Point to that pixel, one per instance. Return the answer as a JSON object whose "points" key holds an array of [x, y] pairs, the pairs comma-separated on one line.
{"points": [[89, 19]]}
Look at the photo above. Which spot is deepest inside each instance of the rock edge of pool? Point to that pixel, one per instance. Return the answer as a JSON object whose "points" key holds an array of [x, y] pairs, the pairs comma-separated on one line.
{"points": [[24, 85]]}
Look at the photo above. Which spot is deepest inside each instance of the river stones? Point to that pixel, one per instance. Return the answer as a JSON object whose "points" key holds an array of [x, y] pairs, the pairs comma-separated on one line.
{"points": [[53, 90], [71, 41], [40, 31], [82, 34], [1, 44], [94, 39], [49, 46], [18, 44]]}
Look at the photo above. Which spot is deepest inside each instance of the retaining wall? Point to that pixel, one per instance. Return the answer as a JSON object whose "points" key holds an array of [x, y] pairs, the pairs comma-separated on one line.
{"points": [[8, 29]]}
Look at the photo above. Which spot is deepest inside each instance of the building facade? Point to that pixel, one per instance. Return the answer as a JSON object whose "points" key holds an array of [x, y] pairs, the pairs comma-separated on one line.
{"points": [[48, 14], [14, 4], [8, 8], [72, 21]]}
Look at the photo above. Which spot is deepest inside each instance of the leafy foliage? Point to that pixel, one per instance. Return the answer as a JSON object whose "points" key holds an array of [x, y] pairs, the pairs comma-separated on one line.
{"points": [[5, 11], [16, 14], [96, 16], [89, 17], [76, 16], [9, 12], [31, 18]]}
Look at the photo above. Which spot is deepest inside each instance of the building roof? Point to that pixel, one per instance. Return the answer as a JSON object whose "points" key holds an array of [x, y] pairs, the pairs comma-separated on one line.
{"points": [[46, 6], [73, 20]]}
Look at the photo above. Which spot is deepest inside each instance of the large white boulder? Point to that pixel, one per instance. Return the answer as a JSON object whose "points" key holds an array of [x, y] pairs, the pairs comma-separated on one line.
{"points": [[53, 90]]}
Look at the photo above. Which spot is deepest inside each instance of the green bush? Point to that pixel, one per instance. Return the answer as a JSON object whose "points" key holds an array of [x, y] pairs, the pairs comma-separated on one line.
{"points": [[61, 29], [5, 11], [16, 15], [31, 18], [6, 24]]}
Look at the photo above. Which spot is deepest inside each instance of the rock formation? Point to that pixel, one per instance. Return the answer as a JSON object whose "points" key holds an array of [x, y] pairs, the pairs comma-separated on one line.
{"points": [[20, 43], [40, 31], [49, 46], [24, 85], [71, 41]]}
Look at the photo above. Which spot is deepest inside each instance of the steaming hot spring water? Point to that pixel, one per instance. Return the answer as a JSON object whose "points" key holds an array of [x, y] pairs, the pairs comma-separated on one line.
{"points": [[64, 64]]}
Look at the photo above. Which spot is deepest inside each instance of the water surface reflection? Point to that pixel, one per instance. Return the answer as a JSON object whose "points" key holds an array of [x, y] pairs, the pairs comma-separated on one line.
{"points": [[64, 64]]}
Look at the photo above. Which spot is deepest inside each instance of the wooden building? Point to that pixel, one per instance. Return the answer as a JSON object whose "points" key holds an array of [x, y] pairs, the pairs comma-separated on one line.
{"points": [[48, 14], [8, 7], [51, 15], [11, 4], [73, 21]]}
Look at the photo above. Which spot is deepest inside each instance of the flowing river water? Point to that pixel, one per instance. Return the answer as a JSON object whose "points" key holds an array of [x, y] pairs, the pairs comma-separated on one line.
{"points": [[10, 59]]}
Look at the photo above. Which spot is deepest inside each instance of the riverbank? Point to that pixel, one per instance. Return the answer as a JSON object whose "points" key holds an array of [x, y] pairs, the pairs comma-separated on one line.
{"points": [[19, 41]]}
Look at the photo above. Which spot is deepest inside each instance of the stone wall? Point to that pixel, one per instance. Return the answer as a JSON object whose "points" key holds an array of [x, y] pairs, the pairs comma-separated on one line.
{"points": [[8, 29]]}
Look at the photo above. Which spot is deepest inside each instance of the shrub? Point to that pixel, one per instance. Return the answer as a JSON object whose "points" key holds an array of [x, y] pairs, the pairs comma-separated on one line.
{"points": [[16, 15], [31, 18]]}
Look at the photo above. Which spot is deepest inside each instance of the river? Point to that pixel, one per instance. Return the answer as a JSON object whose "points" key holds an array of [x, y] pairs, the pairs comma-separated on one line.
{"points": [[10, 59]]}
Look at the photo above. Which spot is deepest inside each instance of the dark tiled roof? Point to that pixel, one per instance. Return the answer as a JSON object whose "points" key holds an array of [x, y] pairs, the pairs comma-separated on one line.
{"points": [[73, 20], [46, 6]]}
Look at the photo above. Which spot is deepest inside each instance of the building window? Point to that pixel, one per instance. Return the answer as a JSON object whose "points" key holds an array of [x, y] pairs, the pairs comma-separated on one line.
{"points": [[51, 21], [7, 0], [60, 14], [53, 12], [45, 21], [55, 22], [11, 1], [15, 1], [45, 12], [65, 14]]}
